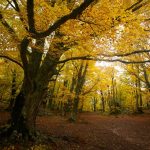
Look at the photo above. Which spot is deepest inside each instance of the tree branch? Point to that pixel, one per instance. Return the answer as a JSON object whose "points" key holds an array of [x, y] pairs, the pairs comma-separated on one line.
{"points": [[12, 60], [30, 15], [102, 60], [16, 5], [73, 15], [9, 3], [111, 56], [139, 6], [127, 54], [9, 28], [134, 5]]}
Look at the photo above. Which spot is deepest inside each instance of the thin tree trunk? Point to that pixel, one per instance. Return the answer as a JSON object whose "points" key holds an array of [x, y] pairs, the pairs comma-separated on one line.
{"points": [[137, 96], [75, 108], [79, 85], [94, 104], [103, 101]]}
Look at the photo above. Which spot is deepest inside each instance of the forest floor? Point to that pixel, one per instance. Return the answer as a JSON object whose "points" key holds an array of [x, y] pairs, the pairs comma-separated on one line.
{"points": [[93, 132]]}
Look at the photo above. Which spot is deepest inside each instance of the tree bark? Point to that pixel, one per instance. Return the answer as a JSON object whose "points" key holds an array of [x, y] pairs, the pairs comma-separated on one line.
{"points": [[25, 110]]}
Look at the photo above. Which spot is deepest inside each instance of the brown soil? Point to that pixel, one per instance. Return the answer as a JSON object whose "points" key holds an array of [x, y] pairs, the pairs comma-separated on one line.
{"points": [[95, 132]]}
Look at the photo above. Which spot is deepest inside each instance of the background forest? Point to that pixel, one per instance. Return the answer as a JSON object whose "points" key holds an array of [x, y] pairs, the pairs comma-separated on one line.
{"points": [[111, 88]]}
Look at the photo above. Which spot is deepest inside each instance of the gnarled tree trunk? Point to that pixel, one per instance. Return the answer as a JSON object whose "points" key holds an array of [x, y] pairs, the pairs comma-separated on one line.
{"points": [[25, 110], [37, 73]]}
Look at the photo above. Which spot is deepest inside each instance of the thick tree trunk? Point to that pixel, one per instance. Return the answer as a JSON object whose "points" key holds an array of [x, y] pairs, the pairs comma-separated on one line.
{"points": [[37, 73], [26, 107], [36, 78], [23, 117]]}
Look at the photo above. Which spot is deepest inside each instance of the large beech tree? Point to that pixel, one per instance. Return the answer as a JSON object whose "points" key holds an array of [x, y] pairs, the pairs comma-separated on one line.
{"points": [[42, 31], [38, 69]]}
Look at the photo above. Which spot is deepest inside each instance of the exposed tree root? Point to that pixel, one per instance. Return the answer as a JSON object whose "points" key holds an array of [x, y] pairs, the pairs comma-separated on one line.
{"points": [[14, 134], [10, 136]]}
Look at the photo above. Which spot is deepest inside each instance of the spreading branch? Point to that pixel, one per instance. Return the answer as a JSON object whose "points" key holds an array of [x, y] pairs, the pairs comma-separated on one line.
{"points": [[111, 57], [102, 60], [127, 54], [12, 60], [73, 15]]}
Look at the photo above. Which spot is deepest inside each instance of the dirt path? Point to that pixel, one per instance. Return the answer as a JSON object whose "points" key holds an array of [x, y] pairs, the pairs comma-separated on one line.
{"points": [[95, 132]]}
